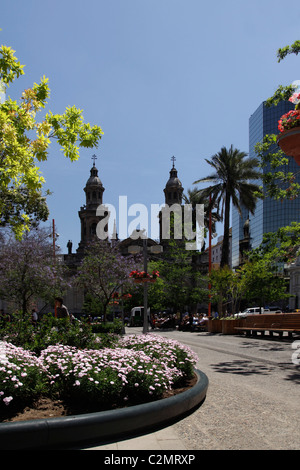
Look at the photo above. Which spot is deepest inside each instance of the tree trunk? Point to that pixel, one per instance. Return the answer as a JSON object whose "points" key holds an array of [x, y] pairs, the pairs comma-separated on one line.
{"points": [[225, 246], [220, 306], [105, 312]]}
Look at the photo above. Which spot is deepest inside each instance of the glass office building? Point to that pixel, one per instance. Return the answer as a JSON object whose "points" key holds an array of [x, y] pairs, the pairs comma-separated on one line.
{"points": [[270, 214]]}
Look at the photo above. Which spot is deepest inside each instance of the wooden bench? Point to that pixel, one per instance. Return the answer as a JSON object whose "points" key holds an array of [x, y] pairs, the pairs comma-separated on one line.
{"points": [[275, 323]]}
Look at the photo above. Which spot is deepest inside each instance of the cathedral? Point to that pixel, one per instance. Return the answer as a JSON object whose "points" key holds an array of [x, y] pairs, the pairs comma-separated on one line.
{"points": [[94, 190]]}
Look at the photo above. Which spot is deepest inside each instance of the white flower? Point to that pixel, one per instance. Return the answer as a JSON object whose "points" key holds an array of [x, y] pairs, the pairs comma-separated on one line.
{"points": [[7, 400]]}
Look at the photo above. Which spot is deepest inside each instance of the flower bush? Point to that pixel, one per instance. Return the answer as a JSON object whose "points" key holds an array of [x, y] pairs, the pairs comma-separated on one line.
{"points": [[289, 120], [22, 377], [51, 330], [136, 370], [111, 328], [292, 118], [175, 354], [142, 275]]}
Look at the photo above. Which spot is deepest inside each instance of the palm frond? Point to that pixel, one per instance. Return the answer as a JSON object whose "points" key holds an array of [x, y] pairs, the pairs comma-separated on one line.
{"points": [[234, 179]]}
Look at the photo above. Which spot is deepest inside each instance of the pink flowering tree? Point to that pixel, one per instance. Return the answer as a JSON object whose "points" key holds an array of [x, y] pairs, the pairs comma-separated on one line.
{"points": [[28, 270], [104, 271]]}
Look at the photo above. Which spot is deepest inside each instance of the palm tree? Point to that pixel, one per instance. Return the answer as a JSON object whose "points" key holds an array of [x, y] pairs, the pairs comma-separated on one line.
{"points": [[195, 196], [231, 182]]}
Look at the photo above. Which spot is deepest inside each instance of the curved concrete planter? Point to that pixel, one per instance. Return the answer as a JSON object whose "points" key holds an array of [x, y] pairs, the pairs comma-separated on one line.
{"points": [[103, 426]]}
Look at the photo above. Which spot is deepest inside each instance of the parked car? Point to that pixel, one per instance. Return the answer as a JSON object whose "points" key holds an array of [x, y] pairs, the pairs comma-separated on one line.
{"points": [[273, 310], [137, 316], [250, 311], [257, 311]]}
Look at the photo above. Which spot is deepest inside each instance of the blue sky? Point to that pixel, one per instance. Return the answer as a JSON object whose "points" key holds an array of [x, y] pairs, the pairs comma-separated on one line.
{"points": [[161, 77]]}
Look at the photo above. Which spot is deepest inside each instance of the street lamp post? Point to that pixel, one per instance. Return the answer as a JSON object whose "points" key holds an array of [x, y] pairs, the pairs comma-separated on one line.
{"points": [[145, 254], [54, 237], [154, 249], [54, 261], [209, 259]]}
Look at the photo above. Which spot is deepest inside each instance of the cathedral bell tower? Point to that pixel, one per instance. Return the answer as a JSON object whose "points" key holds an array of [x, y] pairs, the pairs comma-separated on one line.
{"points": [[173, 190], [173, 202], [93, 198]]}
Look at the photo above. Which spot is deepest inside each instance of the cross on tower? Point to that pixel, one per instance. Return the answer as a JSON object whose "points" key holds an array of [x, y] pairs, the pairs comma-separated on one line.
{"points": [[94, 158], [173, 160]]}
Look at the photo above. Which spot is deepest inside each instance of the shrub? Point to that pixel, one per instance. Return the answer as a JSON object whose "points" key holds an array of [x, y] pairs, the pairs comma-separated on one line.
{"points": [[138, 369], [170, 351], [115, 327], [49, 330], [22, 378]]}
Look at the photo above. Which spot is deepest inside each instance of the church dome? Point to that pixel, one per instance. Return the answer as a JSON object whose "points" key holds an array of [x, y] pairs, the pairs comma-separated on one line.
{"points": [[173, 181], [173, 189], [94, 179], [93, 189]]}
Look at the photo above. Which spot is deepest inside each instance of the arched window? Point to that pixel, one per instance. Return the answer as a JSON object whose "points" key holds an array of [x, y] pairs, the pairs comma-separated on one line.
{"points": [[93, 229]]}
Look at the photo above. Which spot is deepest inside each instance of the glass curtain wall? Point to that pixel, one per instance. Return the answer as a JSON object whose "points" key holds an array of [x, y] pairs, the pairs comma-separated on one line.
{"points": [[269, 214]]}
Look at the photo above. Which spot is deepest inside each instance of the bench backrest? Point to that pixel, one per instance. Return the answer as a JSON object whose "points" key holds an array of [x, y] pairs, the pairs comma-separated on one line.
{"points": [[283, 319]]}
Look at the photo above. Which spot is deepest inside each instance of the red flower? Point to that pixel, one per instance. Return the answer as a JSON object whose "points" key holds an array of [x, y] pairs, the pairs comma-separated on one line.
{"points": [[289, 120], [143, 275]]}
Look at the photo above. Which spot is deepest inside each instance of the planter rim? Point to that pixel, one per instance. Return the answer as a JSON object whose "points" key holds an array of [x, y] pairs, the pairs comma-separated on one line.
{"points": [[289, 142], [292, 130], [102, 426]]}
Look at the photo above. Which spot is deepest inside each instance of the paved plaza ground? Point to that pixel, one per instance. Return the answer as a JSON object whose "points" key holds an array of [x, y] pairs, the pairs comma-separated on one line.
{"points": [[253, 399]]}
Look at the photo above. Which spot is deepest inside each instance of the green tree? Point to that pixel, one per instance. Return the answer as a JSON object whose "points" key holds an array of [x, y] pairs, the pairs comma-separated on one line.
{"points": [[183, 284], [226, 288], [262, 281], [281, 246], [293, 49], [262, 275], [24, 142], [156, 291], [279, 182], [232, 182], [104, 271]]}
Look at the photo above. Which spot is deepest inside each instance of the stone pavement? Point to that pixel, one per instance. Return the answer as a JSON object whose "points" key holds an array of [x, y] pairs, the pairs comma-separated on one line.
{"points": [[252, 402], [164, 439]]}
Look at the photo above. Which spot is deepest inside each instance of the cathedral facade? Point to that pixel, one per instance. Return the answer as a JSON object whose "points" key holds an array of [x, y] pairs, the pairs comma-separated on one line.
{"points": [[89, 219]]}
